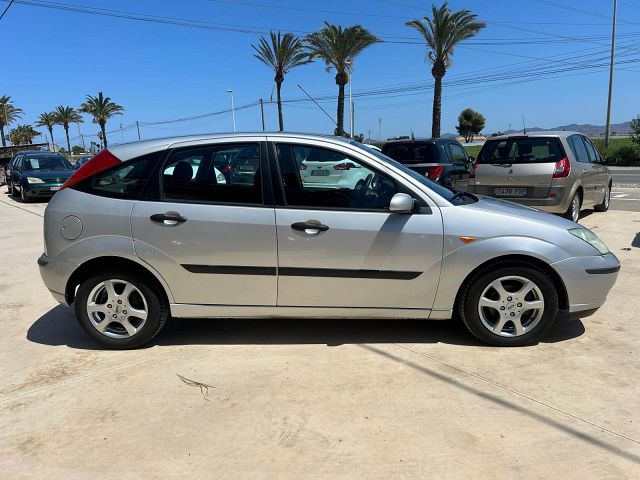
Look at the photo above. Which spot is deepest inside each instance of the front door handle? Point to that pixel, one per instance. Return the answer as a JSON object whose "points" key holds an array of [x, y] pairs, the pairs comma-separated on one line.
{"points": [[169, 218], [310, 227]]}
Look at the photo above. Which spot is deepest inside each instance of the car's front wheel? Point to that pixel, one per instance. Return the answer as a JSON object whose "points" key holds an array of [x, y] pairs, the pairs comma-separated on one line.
{"points": [[23, 196], [120, 310], [510, 305]]}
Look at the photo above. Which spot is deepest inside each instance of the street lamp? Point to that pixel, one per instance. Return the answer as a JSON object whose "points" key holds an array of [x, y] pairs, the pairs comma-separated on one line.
{"points": [[233, 109]]}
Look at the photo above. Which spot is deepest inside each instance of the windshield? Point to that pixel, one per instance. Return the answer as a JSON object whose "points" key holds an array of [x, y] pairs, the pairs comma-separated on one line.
{"points": [[439, 189], [521, 151], [46, 163]]}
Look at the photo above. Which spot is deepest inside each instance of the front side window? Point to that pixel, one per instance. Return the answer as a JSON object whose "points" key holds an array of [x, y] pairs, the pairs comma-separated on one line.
{"points": [[214, 173], [321, 178]]}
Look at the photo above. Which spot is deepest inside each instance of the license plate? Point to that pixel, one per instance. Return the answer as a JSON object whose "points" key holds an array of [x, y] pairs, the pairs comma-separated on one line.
{"points": [[54, 189], [510, 192], [247, 168], [319, 173]]}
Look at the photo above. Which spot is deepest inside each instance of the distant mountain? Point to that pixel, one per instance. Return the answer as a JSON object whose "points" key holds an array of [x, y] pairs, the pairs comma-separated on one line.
{"points": [[587, 129]]}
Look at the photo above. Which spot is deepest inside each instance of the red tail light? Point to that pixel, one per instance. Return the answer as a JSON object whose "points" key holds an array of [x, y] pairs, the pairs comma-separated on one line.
{"points": [[344, 166], [302, 166], [562, 168], [105, 159], [227, 169], [472, 171], [434, 173]]}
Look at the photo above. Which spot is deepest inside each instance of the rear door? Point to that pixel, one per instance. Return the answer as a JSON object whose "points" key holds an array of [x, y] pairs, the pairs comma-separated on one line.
{"points": [[212, 239], [583, 168], [517, 167], [341, 248]]}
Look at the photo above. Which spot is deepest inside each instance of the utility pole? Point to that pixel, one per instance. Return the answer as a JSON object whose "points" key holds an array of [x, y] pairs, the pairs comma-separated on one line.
{"points": [[524, 129], [262, 112], [369, 132], [138, 127], [613, 49], [353, 119], [122, 133], [379, 129], [80, 136], [233, 109]]}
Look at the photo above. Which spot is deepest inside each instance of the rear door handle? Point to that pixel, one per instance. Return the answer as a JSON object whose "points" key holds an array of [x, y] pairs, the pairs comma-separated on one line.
{"points": [[169, 218], [310, 227]]}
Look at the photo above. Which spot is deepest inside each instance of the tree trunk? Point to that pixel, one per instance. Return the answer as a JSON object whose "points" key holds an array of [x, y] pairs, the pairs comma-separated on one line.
{"points": [[53, 145], [340, 119], [4, 142], [437, 107], [280, 121], [104, 136], [66, 131]]}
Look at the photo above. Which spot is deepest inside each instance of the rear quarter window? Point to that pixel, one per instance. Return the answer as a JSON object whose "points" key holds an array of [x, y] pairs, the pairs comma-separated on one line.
{"points": [[521, 151]]}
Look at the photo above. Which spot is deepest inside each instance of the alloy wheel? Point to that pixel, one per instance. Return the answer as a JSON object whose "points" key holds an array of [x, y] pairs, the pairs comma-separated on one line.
{"points": [[511, 306], [117, 308], [575, 208]]}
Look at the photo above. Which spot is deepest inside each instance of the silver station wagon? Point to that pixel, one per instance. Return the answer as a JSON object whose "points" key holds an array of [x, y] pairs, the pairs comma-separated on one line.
{"points": [[148, 230], [559, 172]]}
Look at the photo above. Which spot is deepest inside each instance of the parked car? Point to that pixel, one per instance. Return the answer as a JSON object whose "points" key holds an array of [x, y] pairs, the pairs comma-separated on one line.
{"points": [[130, 244], [559, 172], [38, 175], [8, 165], [442, 160], [321, 169]]}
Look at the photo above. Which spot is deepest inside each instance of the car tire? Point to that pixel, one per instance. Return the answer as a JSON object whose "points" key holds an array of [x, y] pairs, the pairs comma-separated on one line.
{"points": [[13, 191], [23, 196], [134, 318], [604, 206], [499, 316], [573, 212]]}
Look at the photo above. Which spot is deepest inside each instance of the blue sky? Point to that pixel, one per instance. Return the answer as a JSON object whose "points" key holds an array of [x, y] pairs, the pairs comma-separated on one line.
{"points": [[534, 58]]}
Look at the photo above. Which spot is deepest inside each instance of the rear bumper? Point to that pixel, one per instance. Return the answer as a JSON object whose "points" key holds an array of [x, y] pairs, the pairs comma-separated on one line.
{"points": [[554, 202], [588, 280], [55, 274]]}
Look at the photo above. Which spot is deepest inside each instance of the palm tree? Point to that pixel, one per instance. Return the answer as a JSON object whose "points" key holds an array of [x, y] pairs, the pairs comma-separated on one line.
{"points": [[22, 135], [101, 108], [64, 116], [338, 47], [48, 120], [8, 114], [442, 33], [283, 54]]}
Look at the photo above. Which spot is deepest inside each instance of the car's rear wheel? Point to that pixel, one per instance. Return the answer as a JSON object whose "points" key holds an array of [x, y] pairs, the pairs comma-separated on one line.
{"points": [[573, 212], [511, 305], [120, 310], [604, 206]]}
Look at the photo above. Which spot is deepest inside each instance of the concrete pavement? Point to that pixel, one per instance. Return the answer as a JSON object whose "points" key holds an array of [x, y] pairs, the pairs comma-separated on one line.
{"points": [[314, 399]]}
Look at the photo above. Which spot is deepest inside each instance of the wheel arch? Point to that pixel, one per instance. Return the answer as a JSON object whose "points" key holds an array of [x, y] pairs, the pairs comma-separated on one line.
{"points": [[563, 297], [105, 263]]}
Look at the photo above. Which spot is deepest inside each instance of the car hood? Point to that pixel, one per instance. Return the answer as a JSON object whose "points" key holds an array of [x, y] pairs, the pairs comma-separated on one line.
{"points": [[50, 173], [503, 207]]}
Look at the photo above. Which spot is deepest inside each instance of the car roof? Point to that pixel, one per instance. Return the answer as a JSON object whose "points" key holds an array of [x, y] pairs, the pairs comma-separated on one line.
{"points": [[126, 151], [421, 140], [550, 133]]}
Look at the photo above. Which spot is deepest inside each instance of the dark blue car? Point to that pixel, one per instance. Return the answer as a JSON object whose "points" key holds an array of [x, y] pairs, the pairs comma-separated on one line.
{"points": [[38, 175]]}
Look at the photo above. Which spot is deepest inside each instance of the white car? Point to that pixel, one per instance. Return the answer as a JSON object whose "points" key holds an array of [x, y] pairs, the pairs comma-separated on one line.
{"points": [[329, 170], [195, 165]]}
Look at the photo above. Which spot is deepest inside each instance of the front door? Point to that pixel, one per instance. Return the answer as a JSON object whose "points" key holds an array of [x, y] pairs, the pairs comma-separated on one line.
{"points": [[210, 233], [338, 245]]}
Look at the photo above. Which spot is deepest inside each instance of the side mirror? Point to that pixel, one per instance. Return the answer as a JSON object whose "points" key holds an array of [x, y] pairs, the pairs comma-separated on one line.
{"points": [[611, 161], [401, 203]]}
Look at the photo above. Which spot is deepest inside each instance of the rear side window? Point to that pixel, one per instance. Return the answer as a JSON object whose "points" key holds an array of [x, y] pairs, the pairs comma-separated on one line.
{"points": [[578, 148], [228, 173], [521, 150], [412, 152], [126, 180], [458, 153], [594, 157]]}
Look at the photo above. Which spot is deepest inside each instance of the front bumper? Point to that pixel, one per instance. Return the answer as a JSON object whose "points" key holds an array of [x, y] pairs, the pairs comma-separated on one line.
{"points": [[55, 274], [41, 189], [588, 280]]}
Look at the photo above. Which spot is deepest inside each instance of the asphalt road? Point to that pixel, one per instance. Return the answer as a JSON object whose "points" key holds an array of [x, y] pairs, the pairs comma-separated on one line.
{"points": [[626, 175], [627, 199]]}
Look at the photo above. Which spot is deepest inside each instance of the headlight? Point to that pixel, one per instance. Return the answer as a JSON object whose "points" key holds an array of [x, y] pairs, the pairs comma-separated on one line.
{"points": [[34, 180], [591, 238]]}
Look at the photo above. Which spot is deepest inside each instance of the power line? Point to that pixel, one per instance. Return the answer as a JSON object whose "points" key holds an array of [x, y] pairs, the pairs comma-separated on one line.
{"points": [[5, 10]]}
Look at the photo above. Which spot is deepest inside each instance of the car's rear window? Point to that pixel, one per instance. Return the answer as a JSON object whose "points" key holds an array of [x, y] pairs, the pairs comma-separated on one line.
{"points": [[411, 152], [521, 150]]}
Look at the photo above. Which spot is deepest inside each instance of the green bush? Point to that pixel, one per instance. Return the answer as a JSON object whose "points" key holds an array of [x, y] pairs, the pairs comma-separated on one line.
{"points": [[623, 148]]}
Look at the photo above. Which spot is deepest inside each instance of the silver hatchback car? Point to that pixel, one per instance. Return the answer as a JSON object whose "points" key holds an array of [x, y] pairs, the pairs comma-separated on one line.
{"points": [[139, 234], [558, 172]]}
